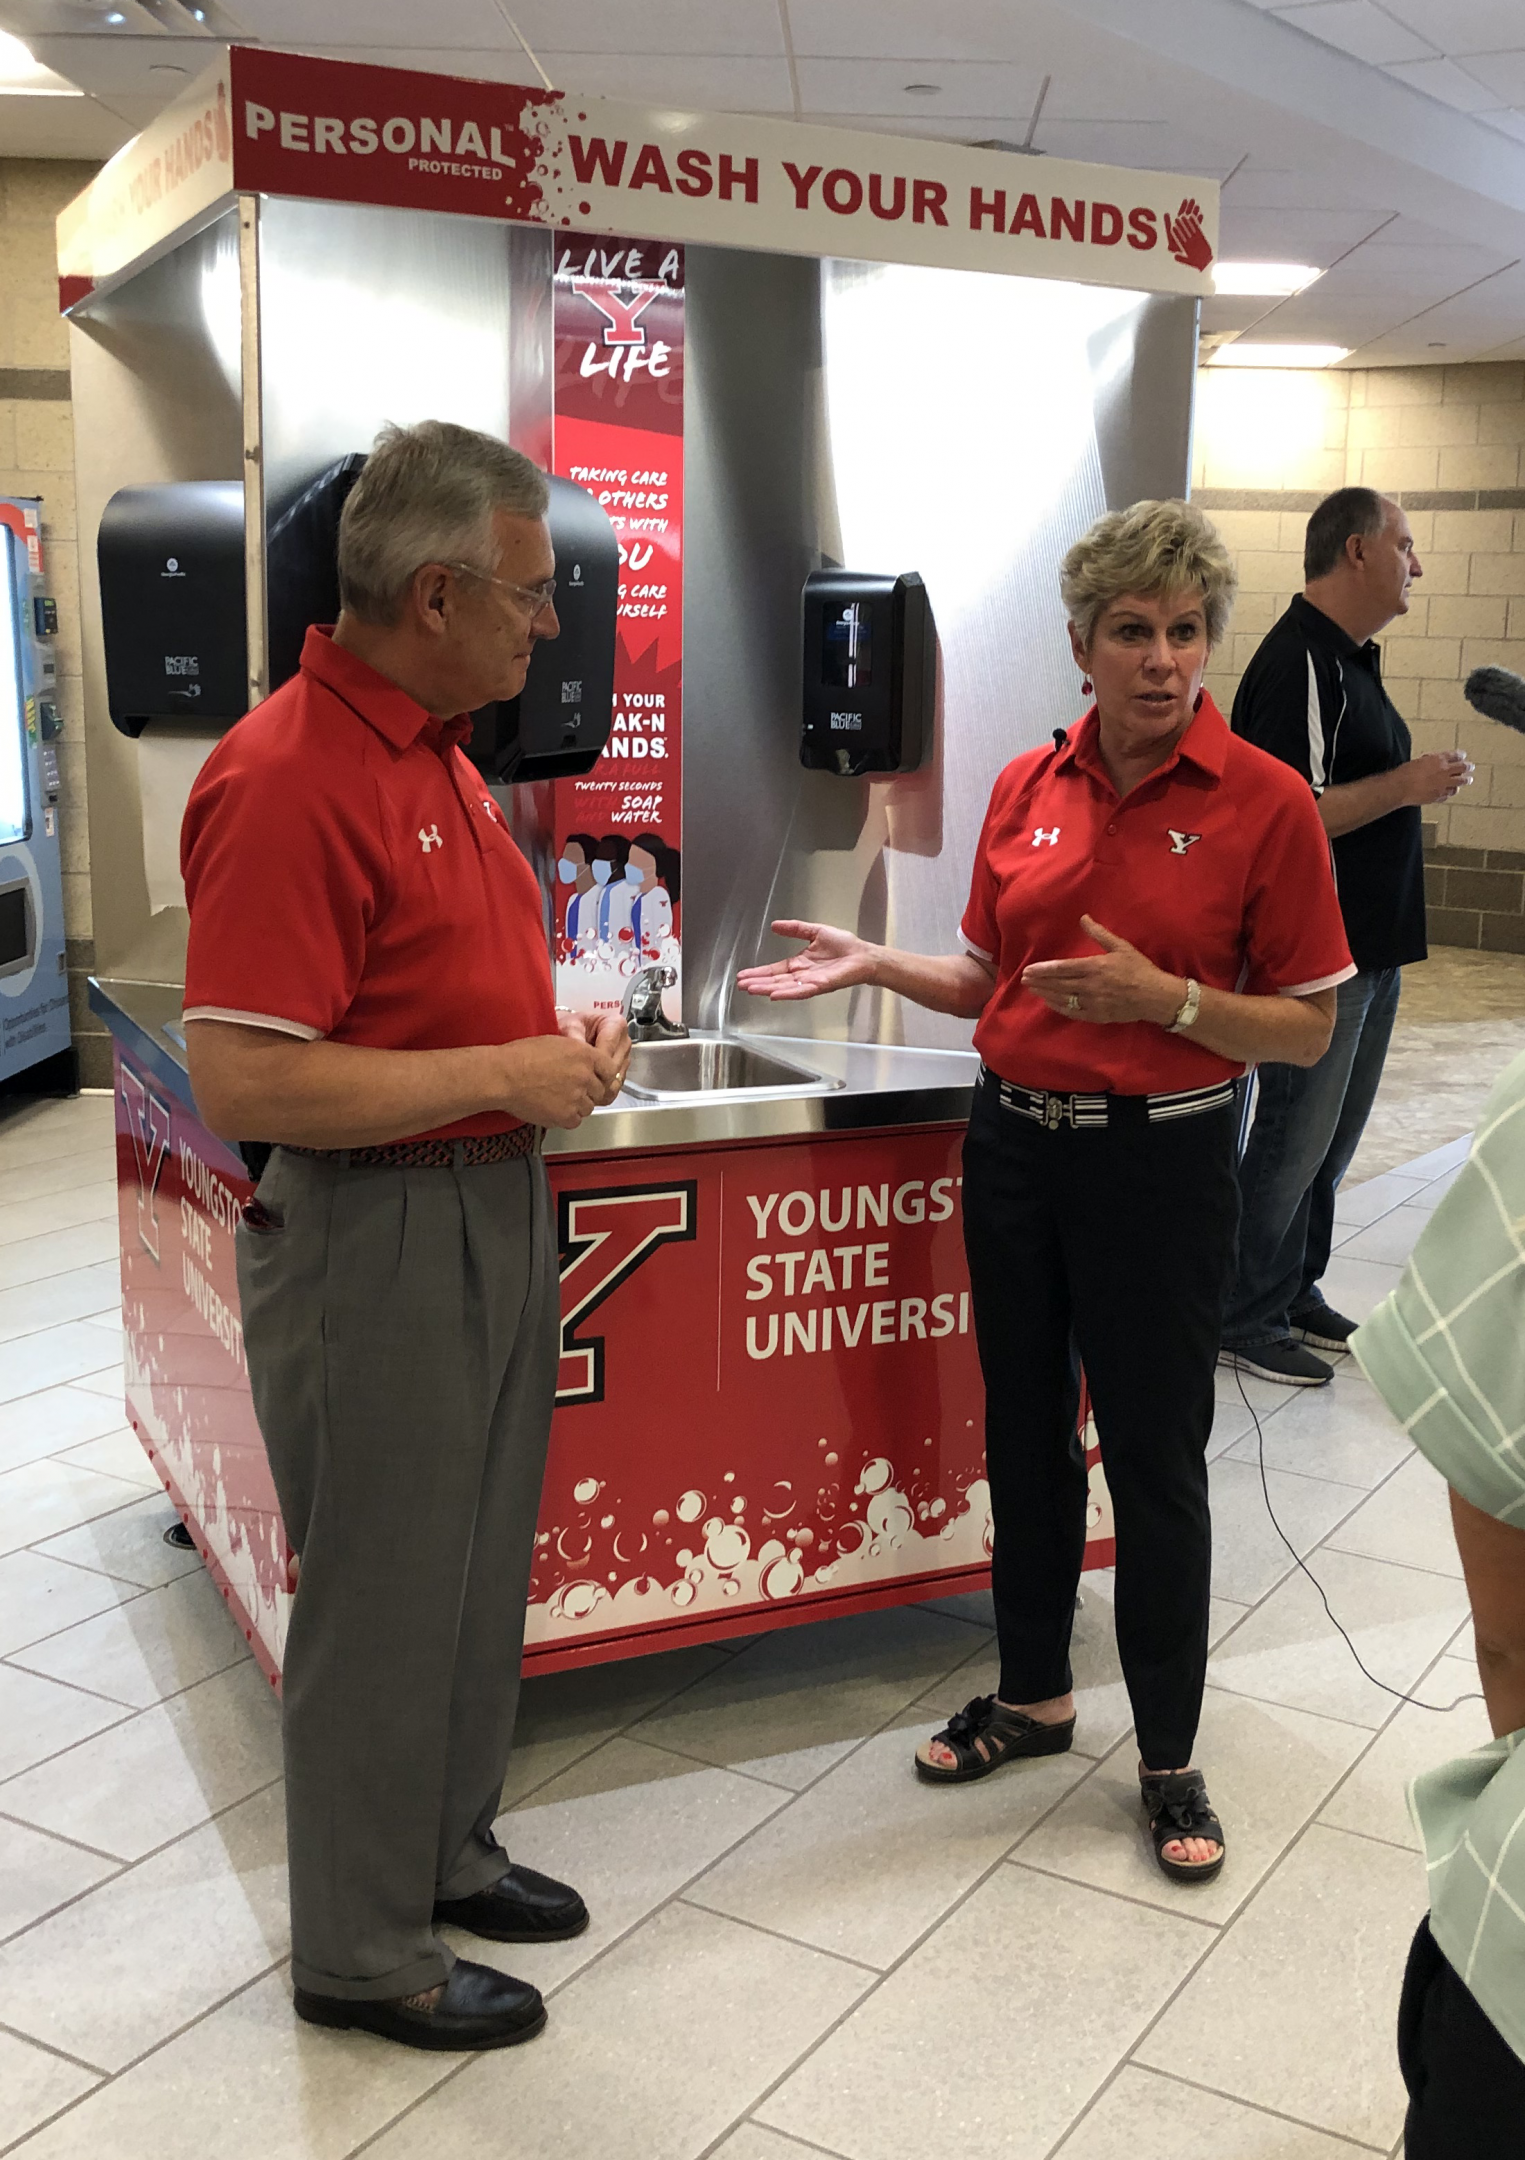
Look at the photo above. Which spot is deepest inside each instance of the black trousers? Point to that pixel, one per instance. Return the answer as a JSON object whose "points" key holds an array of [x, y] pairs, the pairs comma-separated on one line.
{"points": [[1114, 1246], [1466, 2084]]}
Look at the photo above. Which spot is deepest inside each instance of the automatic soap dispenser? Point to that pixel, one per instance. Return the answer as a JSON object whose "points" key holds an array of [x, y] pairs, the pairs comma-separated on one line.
{"points": [[870, 673]]}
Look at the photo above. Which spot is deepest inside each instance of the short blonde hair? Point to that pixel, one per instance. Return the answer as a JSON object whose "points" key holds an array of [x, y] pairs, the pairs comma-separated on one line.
{"points": [[1150, 549]]}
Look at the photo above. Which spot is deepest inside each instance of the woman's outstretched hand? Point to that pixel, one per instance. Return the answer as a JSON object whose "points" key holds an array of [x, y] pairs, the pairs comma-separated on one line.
{"points": [[832, 960]]}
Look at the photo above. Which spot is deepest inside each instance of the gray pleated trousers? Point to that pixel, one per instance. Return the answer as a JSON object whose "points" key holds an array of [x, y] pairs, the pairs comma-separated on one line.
{"points": [[401, 1331]]}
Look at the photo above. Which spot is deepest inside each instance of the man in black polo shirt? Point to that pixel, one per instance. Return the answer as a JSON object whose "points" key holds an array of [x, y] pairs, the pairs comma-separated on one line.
{"points": [[1313, 696]]}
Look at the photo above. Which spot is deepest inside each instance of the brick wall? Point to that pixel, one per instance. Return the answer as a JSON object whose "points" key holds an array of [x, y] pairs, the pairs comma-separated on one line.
{"points": [[37, 458], [1449, 443]]}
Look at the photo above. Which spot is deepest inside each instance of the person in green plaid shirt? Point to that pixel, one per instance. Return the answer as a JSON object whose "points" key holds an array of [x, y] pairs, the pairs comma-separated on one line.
{"points": [[1446, 1351]]}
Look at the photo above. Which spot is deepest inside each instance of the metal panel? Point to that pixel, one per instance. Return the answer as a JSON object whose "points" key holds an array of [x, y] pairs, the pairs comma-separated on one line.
{"points": [[892, 418], [156, 376], [371, 315]]}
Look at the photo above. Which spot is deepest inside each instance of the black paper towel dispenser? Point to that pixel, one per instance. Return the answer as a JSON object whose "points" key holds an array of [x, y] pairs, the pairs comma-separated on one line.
{"points": [[171, 564], [559, 724], [870, 672]]}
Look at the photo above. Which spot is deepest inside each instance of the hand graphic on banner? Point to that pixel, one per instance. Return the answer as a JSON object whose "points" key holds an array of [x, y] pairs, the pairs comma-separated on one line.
{"points": [[1185, 238]]}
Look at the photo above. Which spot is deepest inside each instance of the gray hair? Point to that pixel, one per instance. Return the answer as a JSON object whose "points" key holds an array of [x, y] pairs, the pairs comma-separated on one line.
{"points": [[1152, 549], [427, 495], [1348, 512]]}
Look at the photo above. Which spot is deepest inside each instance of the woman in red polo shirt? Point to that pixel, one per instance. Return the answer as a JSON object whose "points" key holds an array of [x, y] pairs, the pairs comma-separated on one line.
{"points": [[1152, 911]]}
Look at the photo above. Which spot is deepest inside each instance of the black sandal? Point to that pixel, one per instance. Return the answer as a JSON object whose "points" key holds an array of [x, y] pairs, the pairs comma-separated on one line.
{"points": [[1178, 1807], [1007, 1734]]}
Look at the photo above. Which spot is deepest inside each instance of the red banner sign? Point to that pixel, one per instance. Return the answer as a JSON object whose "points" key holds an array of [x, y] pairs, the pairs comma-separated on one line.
{"points": [[343, 131], [619, 434]]}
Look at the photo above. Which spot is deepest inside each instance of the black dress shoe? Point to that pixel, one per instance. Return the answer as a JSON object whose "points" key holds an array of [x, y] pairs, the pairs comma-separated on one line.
{"points": [[480, 2008], [520, 1906]]}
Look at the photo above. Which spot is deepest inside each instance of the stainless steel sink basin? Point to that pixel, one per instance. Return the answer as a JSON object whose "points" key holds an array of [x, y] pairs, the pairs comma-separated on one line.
{"points": [[659, 1070]]}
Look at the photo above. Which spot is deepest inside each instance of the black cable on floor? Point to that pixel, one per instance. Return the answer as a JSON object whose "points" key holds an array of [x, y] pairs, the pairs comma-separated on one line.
{"points": [[1441, 1709]]}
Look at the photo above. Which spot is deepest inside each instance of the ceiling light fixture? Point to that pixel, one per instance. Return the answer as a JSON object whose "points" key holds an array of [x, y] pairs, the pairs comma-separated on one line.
{"points": [[1263, 280], [23, 76], [1278, 356]]}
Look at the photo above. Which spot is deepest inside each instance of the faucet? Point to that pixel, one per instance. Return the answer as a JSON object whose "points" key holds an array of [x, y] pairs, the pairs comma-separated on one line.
{"points": [[642, 1007]]}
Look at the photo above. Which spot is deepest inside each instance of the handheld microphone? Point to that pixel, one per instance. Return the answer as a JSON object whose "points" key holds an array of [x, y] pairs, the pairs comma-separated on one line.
{"points": [[1499, 694]]}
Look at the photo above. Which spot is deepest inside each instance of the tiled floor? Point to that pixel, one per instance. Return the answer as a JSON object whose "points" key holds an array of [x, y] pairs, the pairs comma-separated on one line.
{"points": [[797, 1949]]}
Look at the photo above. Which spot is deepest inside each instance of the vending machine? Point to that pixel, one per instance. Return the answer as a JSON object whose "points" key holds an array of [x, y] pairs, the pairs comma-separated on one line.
{"points": [[34, 986]]}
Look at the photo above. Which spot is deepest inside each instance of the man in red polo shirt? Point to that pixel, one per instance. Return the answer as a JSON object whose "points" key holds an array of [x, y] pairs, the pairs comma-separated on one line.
{"points": [[368, 987]]}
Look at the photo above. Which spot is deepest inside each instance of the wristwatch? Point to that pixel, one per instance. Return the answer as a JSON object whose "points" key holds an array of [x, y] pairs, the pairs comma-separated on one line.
{"points": [[1190, 1006]]}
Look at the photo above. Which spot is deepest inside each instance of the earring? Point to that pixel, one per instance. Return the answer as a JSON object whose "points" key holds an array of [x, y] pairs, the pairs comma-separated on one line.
{"points": [[1085, 686]]}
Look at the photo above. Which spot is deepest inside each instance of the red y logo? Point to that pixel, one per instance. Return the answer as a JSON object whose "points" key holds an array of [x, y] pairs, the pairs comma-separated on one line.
{"points": [[604, 1238], [148, 1128], [621, 316]]}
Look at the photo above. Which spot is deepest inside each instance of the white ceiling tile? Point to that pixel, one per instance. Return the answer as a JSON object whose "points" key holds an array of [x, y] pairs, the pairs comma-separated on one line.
{"points": [[1510, 123], [1151, 145], [108, 65], [1502, 73], [911, 29], [1443, 79], [1461, 26], [723, 84], [1261, 186], [510, 65], [655, 26], [1359, 28], [33, 127], [361, 24], [879, 86], [1315, 236]]}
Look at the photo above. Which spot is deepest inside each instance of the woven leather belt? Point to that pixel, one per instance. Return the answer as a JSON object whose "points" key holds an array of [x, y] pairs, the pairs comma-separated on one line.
{"points": [[1082, 1111], [464, 1154]]}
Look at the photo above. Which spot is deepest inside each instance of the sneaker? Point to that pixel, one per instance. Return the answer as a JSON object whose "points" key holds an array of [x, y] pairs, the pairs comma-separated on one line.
{"points": [[1285, 1361], [1322, 1328]]}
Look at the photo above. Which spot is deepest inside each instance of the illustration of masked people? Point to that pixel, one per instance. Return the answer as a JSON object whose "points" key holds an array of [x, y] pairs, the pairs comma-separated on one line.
{"points": [[652, 873], [575, 869], [616, 896]]}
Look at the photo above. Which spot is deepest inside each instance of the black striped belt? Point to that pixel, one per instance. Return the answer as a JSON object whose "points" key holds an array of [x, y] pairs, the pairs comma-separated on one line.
{"points": [[467, 1153], [1092, 1111]]}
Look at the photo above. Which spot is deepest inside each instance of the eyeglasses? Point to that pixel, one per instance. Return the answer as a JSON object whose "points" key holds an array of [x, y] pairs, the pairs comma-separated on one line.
{"points": [[537, 598]]}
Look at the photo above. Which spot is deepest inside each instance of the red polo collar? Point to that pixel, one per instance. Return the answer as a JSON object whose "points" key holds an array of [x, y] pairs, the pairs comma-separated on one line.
{"points": [[1205, 744], [374, 697]]}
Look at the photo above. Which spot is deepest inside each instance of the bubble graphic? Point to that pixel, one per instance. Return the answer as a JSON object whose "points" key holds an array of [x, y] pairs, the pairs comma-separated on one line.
{"points": [[575, 1600], [771, 1551], [804, 1537], [682, 1593], [606, 1522], [781, 1578], [775, 1512], [831, 1462], [685, 1558], [661, 1518], [875, 1475], [938, 1507], [738, 1507], [853, 1540], [727, 1546], [730, 1477], [690, 1507], [730, 1587], [889, 1516], [584, 1490]]}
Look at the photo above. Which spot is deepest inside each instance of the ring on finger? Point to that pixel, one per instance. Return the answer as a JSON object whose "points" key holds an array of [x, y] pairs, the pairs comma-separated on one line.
{"points": [[1072, 1005]]}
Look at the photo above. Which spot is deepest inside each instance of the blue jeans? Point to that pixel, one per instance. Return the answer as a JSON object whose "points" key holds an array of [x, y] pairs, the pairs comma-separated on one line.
{"points": [[1308, 1125]]}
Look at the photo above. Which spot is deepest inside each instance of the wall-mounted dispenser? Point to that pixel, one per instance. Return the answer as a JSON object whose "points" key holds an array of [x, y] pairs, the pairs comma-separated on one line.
{"points": [[870, 667], [172, 603], [559, 724]]}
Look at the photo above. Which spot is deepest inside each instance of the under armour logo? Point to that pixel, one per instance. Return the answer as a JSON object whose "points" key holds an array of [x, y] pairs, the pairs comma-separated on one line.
{"points": [[1052, 836], [1181, 841], [428, 837]]}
